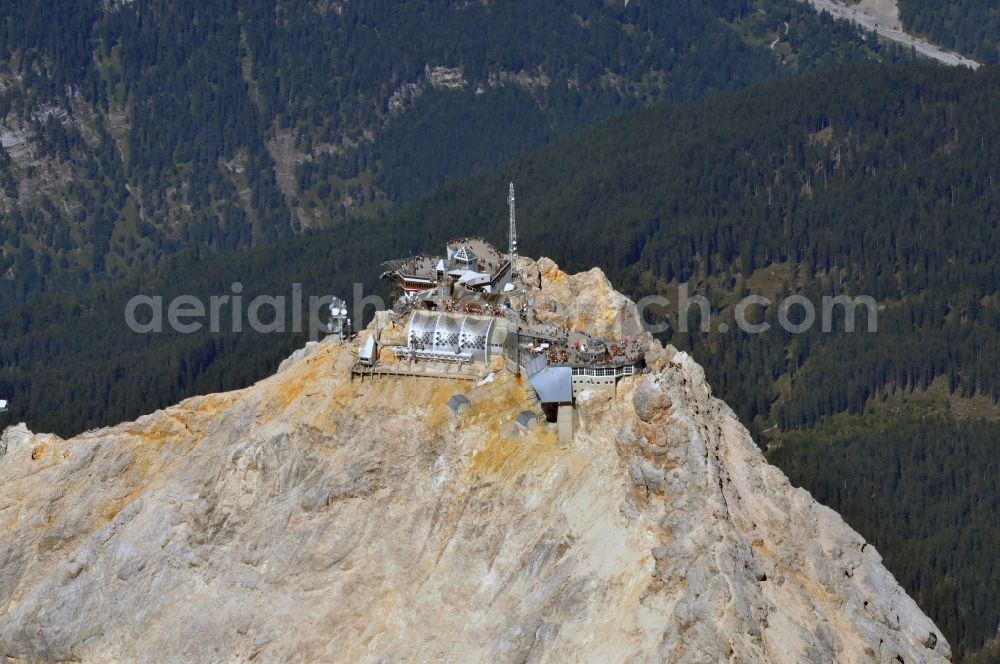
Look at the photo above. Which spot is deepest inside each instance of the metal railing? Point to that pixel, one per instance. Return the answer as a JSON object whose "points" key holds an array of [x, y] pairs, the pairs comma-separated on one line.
{"points": [[408, 353]]}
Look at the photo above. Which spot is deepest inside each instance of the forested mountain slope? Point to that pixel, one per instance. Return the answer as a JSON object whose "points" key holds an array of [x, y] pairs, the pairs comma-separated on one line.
{"points": [[135, 131], [970, 26], [873, 180]]}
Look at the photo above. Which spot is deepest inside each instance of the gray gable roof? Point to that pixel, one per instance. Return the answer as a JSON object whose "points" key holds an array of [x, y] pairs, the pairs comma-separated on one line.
{"points": [[457, 402], [526, 417], [554, 384]]}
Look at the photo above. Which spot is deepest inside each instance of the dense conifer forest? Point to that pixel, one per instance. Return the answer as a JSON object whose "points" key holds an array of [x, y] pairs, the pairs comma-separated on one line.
{"points": [[969, 26], [136, 131], [867, 181]]}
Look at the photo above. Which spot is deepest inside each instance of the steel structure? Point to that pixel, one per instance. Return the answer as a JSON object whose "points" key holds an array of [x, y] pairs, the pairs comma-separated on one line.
{"points": [[512, 252], [446, 336]]}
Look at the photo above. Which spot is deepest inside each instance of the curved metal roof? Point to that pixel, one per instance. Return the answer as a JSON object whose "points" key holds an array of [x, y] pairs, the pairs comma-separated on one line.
{"points": [[452, 333]]}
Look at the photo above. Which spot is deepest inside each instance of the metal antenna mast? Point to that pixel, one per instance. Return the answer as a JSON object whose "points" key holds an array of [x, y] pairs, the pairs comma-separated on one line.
{"points": [[512, 253]]}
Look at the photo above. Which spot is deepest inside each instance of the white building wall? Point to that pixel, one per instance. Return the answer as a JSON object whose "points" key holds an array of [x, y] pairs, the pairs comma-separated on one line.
{"points": [[607, 383]]}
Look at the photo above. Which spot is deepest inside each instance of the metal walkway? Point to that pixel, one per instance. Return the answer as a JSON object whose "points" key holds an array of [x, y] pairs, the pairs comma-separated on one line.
{"points": [[399, 369]]}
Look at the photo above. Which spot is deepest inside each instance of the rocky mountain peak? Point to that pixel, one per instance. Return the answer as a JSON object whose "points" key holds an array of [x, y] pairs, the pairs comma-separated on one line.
{"points": [[315, 517]]}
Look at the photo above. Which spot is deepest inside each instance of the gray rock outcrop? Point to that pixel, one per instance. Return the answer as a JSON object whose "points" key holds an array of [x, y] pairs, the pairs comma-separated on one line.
{"points": [[309, 518]]}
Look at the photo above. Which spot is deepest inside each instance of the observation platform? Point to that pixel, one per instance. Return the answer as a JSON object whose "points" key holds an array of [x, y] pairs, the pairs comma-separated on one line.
{"points": [[425, 369]]}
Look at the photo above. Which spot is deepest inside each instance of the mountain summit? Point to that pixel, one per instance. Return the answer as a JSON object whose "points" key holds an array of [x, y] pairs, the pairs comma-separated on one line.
{"points": [[315, 516]]}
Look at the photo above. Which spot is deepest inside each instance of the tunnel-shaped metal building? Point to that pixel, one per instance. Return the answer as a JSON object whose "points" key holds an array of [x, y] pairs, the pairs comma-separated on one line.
{"points": [[450, 334]]}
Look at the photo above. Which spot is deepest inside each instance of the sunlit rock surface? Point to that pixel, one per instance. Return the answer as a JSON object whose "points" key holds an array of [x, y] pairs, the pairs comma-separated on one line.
{"points": [[309, 518]]}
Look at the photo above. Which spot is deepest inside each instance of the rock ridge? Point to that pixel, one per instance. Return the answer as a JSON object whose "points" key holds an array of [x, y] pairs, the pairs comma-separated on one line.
{"points": [[309, 517]]}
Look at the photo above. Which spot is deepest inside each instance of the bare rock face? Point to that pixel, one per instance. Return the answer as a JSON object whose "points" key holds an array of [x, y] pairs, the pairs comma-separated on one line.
{"points": [[309, 518], [584, 301], [650, 400]]}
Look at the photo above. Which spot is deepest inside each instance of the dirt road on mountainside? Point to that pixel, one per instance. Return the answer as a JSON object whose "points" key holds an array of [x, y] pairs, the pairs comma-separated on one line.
{"points": [[882, 16]]}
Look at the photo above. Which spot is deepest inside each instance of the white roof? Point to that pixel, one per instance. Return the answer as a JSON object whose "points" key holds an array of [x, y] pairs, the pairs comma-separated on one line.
{"points": [[473, 278], [367, 351]]}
